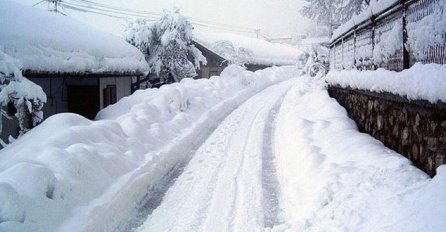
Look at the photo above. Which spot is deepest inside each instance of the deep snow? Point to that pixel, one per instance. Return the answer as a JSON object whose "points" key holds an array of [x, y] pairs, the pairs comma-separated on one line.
{"points": [[70, 172], [306, 169], [46, 42], [420, 82]]}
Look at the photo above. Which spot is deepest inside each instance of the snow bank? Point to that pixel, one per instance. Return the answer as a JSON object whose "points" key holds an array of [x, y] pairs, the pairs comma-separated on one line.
{"points": [[247, 50], [334, 178], [420, 82], [47, 42], [70, 173]]}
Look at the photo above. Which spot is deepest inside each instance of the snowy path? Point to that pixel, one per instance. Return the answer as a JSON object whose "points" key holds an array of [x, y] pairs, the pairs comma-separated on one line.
{"points": [[223, 188], [237, 152], [289, 159]]}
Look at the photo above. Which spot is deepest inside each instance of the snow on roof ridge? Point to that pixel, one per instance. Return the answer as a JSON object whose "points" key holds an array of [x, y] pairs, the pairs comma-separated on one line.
{"points": [[47, 42], [263, 52]]}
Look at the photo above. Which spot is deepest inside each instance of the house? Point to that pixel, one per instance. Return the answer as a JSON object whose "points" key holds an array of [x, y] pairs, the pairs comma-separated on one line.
{"points": [[221, 49], [80, 68]]}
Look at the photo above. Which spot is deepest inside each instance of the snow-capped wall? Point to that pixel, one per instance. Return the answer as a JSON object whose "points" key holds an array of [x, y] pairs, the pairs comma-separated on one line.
{"points": [[247, 50], [415, 129], [46, 42], [421, 82]]}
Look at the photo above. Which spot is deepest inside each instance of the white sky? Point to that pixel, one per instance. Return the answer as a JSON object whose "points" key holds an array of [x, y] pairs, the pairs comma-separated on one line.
{"points": [[274, 18]]}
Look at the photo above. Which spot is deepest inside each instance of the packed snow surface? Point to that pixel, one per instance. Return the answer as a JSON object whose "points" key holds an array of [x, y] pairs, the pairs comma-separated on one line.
{"points": [[420, 82], [46, 42], [247, 50], [241, 152]]}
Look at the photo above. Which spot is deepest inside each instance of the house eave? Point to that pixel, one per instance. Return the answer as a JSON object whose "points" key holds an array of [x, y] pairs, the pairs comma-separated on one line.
{"points": [[42, 74]]}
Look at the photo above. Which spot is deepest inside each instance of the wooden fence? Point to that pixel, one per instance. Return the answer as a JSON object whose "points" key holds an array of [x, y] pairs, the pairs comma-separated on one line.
{"points": [[365, 46]]}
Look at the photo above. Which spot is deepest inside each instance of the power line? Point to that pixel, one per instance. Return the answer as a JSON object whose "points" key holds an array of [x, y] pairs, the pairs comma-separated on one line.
{"points": [[90, 11], [117, 8], [91, 8], [87, 6]]}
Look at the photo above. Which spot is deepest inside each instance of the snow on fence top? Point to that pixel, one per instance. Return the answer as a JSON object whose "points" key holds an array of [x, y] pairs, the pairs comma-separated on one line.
{"points": [[247, 50], [47, 42], [375, 7]]}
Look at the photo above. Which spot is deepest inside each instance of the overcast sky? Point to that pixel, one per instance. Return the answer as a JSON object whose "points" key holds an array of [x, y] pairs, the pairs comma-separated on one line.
{"points": [[274, 18]]}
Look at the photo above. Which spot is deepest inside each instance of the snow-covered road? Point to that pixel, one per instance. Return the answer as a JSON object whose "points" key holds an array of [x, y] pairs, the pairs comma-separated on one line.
{"points": [[230, 183], [289, 159], [263, 151]]}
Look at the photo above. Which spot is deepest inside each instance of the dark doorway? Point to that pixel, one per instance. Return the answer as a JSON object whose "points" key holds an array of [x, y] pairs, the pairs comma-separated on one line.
{"points": [[109, 93], [83, 100]]}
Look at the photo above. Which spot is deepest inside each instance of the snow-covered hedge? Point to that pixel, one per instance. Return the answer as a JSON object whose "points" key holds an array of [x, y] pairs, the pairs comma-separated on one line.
{"points": [[420, 82], [70, 173]]}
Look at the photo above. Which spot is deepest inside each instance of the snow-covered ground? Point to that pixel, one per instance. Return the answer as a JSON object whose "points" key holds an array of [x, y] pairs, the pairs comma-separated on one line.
{"points": [[240, 152], [70, 172]]}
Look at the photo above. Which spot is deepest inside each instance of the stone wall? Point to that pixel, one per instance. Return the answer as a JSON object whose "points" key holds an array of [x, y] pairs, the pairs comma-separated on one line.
{"points": [[416, 129]]}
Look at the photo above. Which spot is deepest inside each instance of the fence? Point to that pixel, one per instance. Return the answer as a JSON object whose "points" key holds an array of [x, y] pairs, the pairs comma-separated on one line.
{"points": [[406, 32]]}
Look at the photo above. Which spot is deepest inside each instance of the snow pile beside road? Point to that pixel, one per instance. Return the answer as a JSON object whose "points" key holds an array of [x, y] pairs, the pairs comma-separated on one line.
{"points": [[421, 81], [335, 178], [70, 173]]}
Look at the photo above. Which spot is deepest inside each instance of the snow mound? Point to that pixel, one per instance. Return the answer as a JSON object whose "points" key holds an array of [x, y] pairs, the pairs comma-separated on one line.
{"points": [[46, 42], [247, 50], [420, 82], [70, 173], [334, 178]]}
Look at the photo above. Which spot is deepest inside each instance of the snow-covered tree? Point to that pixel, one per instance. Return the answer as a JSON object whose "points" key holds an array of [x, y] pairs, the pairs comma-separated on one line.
{"points": [[167, 45], [333, 11], [26, 97]]}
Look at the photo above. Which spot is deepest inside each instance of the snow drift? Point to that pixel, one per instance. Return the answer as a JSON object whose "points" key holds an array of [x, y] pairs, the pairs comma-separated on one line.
{"points": [[334, 178], [70, 172]]}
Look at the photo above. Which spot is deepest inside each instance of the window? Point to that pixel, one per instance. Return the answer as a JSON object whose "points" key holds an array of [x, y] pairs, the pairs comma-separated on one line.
{"points": [[109, 95]]}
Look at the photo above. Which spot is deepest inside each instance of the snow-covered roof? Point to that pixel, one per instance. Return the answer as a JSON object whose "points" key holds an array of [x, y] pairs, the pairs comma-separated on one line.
{"points": [[314, 40], [46, 42], [243, 49]]}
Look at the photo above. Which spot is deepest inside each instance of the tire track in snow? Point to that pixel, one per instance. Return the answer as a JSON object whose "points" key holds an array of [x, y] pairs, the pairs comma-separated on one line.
{"points": [[156, 193], [220, 189], [270, 183]]}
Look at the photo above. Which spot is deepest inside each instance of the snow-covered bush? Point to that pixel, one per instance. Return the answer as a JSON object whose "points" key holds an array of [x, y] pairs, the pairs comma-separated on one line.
{"points": [[26, 97], [316, 62], [167, 45]]}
